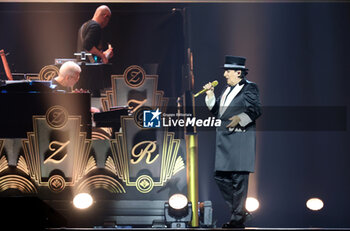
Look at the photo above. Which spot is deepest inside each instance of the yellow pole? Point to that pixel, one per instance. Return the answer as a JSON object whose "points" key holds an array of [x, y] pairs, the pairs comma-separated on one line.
{"points": [[192, 175]]}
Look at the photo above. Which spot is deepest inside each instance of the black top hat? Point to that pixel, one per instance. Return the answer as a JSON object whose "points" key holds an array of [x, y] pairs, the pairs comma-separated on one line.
{"points": [[234, 62]]}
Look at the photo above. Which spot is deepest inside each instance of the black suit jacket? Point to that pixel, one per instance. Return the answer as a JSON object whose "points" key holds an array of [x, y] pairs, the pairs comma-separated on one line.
{"points": [[235, 149]]}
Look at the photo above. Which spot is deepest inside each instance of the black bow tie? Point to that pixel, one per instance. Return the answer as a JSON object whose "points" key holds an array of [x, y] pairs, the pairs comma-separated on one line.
{"points": [[243, 81]]}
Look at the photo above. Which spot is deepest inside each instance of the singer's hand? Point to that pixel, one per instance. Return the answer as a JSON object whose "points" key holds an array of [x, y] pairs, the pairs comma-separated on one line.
{"points": [[210, 89], [234, 121]]}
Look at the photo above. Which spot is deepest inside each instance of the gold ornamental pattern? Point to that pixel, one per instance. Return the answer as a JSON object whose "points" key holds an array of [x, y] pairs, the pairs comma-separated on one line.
{"points": [[135, 89], [134, 76], [3, 159], [48, 72], [12, 181], [2, 143], [57, 143], [144, 154], [57, 183], [56, 117]]}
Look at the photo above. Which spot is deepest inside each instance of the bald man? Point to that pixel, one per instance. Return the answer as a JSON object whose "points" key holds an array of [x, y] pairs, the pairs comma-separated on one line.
{"points": [[90, 33], [68, 76]]}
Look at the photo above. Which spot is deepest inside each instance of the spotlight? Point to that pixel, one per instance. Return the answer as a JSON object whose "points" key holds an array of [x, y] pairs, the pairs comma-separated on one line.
{"points": [[178, 201], [314, 204], [178, 211], [82, 201], [251, 204]]}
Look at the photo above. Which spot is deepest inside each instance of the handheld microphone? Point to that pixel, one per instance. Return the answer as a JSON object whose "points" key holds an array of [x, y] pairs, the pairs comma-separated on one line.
{"points": [[214, 84]]}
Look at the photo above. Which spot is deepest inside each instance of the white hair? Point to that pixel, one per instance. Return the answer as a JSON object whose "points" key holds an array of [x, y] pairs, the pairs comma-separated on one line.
{"points": [[69, 68]]}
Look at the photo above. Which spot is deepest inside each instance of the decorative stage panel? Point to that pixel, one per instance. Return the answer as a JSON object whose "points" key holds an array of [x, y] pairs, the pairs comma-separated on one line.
{"points": [[136, 167]]}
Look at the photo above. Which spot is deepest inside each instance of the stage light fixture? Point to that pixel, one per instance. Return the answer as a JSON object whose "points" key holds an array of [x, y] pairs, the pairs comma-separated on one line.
{"points": [[82, 201], [251, 204], [178, 201], [178, 211], [314, 204], [206, 214]]}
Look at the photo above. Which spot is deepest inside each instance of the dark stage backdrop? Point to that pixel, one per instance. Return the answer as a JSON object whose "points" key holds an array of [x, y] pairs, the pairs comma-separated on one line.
{"points": [[297, 53]]}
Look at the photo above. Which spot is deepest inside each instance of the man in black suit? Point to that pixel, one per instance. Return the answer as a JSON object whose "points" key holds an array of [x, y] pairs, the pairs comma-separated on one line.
{"points": [[238, 107]]}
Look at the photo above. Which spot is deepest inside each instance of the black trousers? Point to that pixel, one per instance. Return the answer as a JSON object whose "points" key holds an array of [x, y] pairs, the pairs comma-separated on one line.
{"points": [[234, 188]]}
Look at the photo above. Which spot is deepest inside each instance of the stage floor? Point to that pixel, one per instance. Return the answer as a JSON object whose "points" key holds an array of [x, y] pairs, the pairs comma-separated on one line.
{"points": [[197, 229]]}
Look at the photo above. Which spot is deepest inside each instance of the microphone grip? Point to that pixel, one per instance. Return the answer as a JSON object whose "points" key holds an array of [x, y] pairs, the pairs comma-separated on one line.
{"points": [[214, 84], [200, 92]]}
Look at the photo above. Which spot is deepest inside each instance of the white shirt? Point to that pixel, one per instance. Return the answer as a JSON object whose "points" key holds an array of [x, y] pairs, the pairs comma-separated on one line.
{"points": [[225, 102]]}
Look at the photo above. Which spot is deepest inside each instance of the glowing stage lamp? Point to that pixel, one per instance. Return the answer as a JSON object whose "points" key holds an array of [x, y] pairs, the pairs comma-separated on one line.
{"points": [[82, 201], [252, 204], [178, 211], [314, 204], [178, 201]]}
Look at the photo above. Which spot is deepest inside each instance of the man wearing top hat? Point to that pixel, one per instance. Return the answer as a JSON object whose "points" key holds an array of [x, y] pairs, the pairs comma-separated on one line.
{"points": [[238, 107]]}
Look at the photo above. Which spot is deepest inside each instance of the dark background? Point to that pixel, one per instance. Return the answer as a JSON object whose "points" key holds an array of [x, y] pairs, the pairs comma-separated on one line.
{"points": [[297, 53]]}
